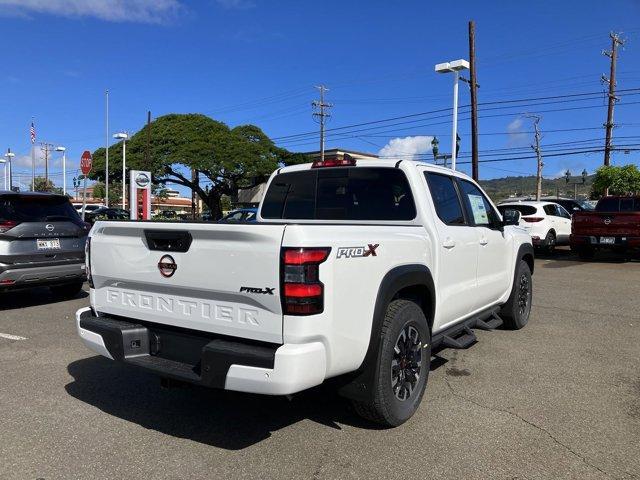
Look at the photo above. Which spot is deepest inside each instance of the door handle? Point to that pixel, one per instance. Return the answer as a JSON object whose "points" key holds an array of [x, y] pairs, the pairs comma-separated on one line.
{"points": [[483, 241], [449, 243]]}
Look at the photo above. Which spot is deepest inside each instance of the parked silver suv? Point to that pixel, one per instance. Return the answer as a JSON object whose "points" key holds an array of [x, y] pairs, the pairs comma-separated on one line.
{"points": [[42, 241]]}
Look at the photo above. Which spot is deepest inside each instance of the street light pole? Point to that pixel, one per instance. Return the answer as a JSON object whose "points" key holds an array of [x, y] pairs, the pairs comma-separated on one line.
{"points": [[64, 168], [455, 67], [124, 137], [454, 127], [10, 156], [4, 171]]}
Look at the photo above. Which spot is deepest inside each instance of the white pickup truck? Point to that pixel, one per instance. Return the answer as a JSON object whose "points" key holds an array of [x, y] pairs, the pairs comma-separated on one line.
{"points": [[353, 272]]}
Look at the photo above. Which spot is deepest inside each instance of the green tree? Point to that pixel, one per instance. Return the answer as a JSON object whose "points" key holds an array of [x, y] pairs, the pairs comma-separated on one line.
{"points": [[44, 185], [115, 192], [224, 158], [619, 180]]}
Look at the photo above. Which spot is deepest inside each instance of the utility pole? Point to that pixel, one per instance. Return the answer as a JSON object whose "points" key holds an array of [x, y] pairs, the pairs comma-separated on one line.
{"points": [[613, 55], [473, 85], [195, 178], [321, 115], [46, 148], [536, 148]]}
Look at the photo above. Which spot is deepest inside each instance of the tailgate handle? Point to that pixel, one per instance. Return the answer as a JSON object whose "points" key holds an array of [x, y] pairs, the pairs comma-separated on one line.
{"points": [[168, 240]]}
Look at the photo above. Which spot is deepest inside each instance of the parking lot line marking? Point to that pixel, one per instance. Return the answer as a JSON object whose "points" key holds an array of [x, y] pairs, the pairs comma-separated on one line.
{"points": [[12, 337]]}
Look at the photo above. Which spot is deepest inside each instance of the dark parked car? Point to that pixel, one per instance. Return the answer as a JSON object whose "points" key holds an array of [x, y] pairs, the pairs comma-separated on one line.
{"points": [[241, 215], [42, 241], [572, 205], [106, 213]]}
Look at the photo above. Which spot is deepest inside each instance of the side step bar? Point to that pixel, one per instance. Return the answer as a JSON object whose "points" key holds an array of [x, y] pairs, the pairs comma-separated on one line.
{"points": [[464, 340], [461, 335]]}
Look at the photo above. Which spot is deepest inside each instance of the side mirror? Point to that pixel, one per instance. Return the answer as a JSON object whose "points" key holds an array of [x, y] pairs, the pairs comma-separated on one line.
{"points": [[511, 217]]}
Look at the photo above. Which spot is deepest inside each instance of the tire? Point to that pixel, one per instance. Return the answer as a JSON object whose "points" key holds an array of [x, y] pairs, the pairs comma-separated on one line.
{"points": [[68, 290], [516, 311], [586, 253], [550, 242], [396, 391]]}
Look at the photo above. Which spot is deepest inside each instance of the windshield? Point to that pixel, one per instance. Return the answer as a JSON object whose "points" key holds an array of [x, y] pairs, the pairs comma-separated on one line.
{"points": [[37, 209]]}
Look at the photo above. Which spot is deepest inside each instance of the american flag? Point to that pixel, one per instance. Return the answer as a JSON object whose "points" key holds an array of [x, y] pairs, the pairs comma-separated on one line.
{"points": [[32, 133]]}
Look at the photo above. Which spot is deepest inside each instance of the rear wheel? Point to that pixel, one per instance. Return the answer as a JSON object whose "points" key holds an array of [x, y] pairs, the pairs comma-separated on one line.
{"points": [[68, 290], [550, 243], [516, 311], [405, 358]]}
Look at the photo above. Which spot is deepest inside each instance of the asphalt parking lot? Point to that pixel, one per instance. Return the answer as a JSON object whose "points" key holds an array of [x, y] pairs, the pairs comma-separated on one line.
{"points": [[559, 399]]}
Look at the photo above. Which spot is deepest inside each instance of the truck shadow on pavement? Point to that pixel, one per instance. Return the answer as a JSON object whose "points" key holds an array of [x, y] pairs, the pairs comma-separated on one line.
{"points": [[34, 297], [222, 419]]}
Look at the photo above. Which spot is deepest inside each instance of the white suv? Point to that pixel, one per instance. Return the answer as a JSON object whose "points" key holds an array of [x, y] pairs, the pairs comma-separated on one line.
{"points": [[548, 223]]}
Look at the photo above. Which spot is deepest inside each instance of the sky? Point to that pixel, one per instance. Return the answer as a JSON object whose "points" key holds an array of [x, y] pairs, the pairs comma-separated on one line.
{"points": [[258, 61]]}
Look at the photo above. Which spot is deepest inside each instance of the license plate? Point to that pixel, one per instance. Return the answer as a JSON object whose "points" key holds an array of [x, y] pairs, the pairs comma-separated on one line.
{"points": [[48, 244], [608, 240]]}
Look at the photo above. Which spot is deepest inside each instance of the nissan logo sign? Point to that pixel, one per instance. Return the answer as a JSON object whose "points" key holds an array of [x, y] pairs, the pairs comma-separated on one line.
{"points": [[167, 266], [49, 227], [607, 221], [142, 180]]}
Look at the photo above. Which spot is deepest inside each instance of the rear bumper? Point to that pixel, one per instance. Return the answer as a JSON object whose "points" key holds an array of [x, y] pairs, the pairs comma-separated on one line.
{"points": [[624, 241], [223, 362], [22, 277]]}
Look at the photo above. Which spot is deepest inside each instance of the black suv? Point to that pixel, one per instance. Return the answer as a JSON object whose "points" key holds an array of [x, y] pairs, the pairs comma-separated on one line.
{"points": [[42, 241]]}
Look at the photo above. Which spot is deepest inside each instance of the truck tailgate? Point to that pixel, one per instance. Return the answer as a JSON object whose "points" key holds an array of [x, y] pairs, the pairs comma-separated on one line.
{"points": [[218, 278], [606, 223]]}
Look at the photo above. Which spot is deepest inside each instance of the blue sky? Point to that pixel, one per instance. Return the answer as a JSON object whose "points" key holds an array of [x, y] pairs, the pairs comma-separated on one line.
{"points": [[255, 61]]}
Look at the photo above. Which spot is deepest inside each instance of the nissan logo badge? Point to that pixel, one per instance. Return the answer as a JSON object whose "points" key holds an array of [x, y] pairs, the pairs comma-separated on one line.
{"points": [[167, 266], [607, 221], [49, 227], [142, 180]]}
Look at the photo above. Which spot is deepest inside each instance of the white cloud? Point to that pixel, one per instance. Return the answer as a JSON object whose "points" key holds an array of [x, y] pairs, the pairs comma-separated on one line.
{"points": [[139, 11], [236, 4], [407, 148], [516, 136]]}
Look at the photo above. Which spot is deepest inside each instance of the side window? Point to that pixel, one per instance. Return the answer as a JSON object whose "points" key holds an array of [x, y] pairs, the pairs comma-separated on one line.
{"points": [[562, 212], [549, 209], [445, 198], [478, 206]]}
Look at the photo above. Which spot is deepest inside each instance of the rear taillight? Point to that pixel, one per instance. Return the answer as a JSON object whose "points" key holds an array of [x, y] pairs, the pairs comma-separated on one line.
{"points": [[87, 261], [532, 219], [302, 290], [6, 225]]}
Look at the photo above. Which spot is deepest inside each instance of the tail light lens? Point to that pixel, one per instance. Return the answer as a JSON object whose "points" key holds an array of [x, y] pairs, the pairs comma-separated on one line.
{"points": [[302, 291], [6, 225], [532, 219], [87, 261]]}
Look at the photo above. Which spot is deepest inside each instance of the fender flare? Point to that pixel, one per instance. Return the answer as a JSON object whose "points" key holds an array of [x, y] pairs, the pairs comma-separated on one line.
{"points": [[525, 251], [359, 383]]}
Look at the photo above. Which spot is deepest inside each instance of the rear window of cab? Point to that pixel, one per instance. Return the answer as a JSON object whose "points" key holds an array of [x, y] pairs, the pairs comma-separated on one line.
{"points": [[341, 193]]}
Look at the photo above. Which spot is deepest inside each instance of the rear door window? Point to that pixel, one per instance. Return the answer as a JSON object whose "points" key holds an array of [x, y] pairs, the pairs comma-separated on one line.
{"points": [[445, 198], [36, 208], [363, 193]]}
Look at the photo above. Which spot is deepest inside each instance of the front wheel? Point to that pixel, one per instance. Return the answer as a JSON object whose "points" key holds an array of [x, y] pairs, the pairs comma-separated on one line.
{"points": [[516, 311], [403, 368]]}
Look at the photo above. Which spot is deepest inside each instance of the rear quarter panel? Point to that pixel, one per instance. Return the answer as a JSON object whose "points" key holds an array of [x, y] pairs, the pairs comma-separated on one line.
{"points": [[351, 284]]}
